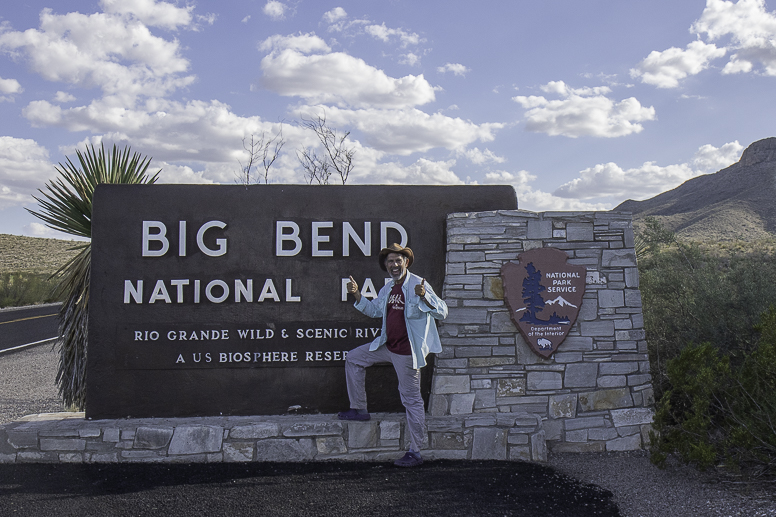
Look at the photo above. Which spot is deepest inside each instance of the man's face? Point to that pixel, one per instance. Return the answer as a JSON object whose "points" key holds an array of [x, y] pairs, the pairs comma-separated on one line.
{"points": [[396, 264]]}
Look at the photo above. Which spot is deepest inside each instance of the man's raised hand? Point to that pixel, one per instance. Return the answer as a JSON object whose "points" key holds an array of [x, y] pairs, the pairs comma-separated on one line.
{"points": [[352, 288], [420, 289]]}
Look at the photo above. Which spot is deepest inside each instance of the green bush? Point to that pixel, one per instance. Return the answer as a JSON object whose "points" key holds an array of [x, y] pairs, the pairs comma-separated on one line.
{"points": [[694, 295], [711, 331], [17, 289], [721, 409]]}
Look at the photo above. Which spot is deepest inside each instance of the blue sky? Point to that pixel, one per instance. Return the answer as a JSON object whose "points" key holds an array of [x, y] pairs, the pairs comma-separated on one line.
{"points": [[579, 105]]}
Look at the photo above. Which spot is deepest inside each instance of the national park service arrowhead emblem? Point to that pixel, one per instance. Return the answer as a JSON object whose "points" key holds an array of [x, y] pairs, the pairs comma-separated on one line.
{"points": [[543, 293]]}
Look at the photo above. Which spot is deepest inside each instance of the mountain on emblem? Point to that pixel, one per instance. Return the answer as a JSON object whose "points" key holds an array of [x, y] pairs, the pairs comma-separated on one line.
{"points": [[544, 294]]}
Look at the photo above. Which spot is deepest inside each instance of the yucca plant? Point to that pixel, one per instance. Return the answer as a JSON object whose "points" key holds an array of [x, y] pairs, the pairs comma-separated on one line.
{"points": [[66, 205]]}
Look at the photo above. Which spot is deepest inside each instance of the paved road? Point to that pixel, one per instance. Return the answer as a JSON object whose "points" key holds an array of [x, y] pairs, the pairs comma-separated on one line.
{"points": [[27, 325], [437, 488]]}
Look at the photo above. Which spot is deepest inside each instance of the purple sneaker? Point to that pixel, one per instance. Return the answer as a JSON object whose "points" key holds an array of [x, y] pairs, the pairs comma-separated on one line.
{"points": [[411, 459], [353, 414]]}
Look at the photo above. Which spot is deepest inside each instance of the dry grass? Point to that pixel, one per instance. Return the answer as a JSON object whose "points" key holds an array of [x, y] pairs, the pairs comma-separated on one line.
{"points": [[34, 255]]}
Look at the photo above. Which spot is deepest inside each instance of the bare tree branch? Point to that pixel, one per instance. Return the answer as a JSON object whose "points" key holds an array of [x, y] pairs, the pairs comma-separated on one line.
{"points": [[261, 149], [337, 156]]}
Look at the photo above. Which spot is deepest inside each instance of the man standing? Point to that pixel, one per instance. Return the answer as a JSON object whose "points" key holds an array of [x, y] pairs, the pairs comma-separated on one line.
{"points": [[408, 308]]}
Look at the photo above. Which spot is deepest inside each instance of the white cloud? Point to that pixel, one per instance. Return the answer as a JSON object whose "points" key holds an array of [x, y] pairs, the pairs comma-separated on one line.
{"points": [[10, 86], [385, 34], [410, 59], [406, 131], [151, 12], [479, 157], [119, 56], [335, 15], [749, 34], [665, 69], [245, 20], [536, 200], [182, 174], [304, 43], [64, 97], [711, 159], [583, 112], [611, 180], [24, 167], [335, 77], [455, 68], [275, 10], [422, 172]]}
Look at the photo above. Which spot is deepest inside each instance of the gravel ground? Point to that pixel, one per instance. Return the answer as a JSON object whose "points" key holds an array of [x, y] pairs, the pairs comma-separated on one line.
{"points": [[640, 489]]}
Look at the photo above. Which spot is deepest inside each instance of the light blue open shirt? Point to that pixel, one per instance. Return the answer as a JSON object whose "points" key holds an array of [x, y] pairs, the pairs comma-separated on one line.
{"points": [[418, 316]]}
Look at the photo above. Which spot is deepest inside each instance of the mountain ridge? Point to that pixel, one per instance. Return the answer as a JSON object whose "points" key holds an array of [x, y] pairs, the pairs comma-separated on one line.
{"points": [[735, 203]]}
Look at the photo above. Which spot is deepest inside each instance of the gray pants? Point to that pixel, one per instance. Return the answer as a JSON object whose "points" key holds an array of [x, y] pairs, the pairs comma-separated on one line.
{"points": [[409, 386]]}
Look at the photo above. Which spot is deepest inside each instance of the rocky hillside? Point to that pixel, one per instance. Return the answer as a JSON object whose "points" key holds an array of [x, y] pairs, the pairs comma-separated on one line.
{"points": [[33, 254], [738, 202]]}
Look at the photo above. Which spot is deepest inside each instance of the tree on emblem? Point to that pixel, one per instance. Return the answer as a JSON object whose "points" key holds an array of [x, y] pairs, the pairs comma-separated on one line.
{"points": [[532, 297]]}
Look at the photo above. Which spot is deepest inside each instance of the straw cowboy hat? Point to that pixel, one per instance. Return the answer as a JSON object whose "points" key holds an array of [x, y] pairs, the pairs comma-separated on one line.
{"points": [[395, 248]]}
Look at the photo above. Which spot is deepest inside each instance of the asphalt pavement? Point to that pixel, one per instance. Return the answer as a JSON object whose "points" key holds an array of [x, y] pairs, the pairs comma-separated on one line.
{"points": [[441, 488], [28, 325]]}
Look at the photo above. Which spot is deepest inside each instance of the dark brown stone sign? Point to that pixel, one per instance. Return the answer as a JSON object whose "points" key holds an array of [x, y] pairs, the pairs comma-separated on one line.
{"points": [[544, 294], [225, 299]]}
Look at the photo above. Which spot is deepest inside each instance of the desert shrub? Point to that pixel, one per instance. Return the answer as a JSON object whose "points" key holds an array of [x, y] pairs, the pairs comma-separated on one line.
{"points": [[695, 295], [719, 408], [18, 289]]}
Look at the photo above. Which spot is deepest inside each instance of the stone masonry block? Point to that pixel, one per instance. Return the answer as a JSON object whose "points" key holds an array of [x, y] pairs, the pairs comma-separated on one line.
{"points": [[257, 431], [152, 437], [484, 399], [62, 444], [501, 322], [445, 384], [23, 439], [619, 368], [603, 328], [605, 399], [511, 387], [540, 381], [539, 229], [618, 258], [489, 444], [313, 429], [633, 416], [448, 441], [589, 309], [628, 443], [362, 434], [581, 375], [632, 298], [460, 316], [331, 445], [631, 277], [493, 288], [611, 298], [589, 422], [279, 449], [238, 451], [539, 446], [579, 232], [576, 344], [196, 439], [390, 430], [563, 406], [461, 403]]}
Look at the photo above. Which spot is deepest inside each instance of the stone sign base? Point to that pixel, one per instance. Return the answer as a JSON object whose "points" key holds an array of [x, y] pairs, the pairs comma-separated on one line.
{"points": [[68, 438]]}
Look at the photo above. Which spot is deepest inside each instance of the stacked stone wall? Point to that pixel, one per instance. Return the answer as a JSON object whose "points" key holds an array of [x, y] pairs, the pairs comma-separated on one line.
{"points": [[595, 392], [492, 397]]}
